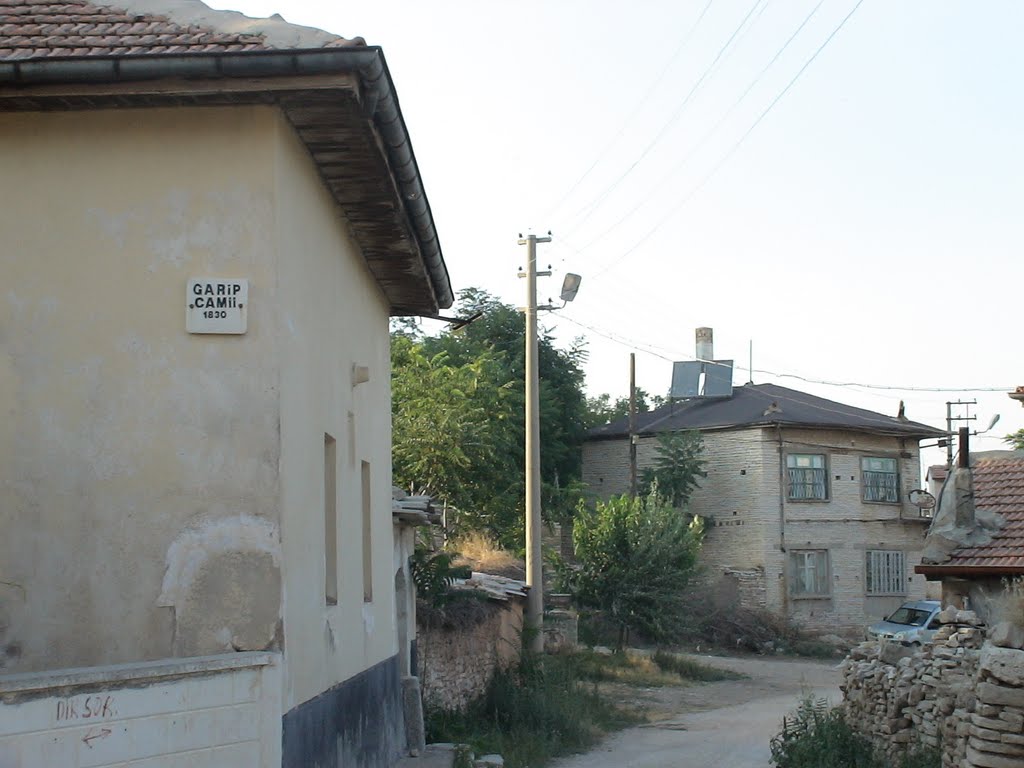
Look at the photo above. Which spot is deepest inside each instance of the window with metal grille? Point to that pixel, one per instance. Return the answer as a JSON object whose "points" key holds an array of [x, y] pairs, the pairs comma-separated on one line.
{"points": [[885, 572], [806, 479], [810, 573], [880, 480]]}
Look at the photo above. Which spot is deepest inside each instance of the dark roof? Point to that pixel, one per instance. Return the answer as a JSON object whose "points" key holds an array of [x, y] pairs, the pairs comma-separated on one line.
{"points": [[755, 405], [998, 487]]}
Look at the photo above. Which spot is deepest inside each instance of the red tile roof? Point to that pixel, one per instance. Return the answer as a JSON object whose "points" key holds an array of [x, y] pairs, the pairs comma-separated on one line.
{"points": [[32, 29], [998, 487]]}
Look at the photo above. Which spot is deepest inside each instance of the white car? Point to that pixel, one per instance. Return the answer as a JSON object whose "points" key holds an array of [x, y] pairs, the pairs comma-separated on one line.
{"points": [[912, 623]]}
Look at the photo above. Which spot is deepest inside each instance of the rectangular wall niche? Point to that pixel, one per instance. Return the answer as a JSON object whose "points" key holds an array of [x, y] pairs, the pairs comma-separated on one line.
{"points": [[330, 520], [367, 541]]}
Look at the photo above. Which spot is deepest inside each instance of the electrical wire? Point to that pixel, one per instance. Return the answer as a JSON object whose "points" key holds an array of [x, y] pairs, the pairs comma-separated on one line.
{"points": [[725, 158], [714, 129], [590, 207], [648, 349], [632, 115]]}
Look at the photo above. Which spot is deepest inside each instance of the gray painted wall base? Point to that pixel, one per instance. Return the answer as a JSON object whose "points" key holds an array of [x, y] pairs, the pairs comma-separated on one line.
{"points": [[355, 724]]}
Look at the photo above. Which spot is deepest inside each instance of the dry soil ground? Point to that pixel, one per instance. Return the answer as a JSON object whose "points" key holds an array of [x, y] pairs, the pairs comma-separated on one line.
{"points": [[713, 725]]}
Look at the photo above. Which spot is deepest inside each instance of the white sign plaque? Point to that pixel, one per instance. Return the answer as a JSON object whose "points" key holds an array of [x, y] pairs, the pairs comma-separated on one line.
{"points": [[216, 306]]}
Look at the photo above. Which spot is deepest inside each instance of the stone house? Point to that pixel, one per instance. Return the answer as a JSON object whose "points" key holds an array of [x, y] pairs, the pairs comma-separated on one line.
{"points": [[805, 499], [976, 541], [208, 221]]}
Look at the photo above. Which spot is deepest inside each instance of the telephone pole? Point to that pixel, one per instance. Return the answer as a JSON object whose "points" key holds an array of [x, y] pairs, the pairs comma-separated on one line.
{"points": [[632, 425], [950, 418], [534, 564]]}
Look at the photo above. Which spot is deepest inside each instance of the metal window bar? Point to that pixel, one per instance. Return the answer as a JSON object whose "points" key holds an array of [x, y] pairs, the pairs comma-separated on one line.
{"points": [[806, 483], [886, 572], [881, 486]]}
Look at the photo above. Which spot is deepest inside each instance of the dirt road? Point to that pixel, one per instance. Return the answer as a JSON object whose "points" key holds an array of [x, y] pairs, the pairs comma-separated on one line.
{"points": [[715, 725]]}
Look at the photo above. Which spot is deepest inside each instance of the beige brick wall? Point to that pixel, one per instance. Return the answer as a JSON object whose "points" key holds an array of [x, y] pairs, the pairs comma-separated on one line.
{"points": [[741, 498]]}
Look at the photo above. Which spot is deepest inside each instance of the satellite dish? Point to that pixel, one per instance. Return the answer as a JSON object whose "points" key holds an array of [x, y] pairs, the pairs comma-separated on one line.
{"points": [[921, 499]]}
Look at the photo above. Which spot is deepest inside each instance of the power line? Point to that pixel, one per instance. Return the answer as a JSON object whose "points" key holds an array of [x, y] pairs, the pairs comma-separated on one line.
{"points": [[650, 350], [590, 207], [632, 115], [728, 113], [725, 158]]}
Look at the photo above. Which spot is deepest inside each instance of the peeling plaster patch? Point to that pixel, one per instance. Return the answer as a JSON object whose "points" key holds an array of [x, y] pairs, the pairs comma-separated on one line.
{"points": [[223, 636], [193, 547]]}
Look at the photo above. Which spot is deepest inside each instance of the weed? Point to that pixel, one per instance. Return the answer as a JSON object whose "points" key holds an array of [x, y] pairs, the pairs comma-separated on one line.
{"points": [[482, 553], [1007, 604], [531, 713], [463, 757], [629, 668], [688, 669], [818, 737]]}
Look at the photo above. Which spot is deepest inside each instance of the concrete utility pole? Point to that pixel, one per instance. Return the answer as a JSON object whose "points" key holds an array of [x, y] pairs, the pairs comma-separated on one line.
{"points": [[534, 564], [950, 418], [632, 425]]}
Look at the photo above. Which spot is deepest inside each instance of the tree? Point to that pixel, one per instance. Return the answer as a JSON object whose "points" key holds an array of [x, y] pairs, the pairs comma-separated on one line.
{"points": [[678, 466], [459, 424], [601, 410], [446, 424], [1015, 440], [635, 557]]}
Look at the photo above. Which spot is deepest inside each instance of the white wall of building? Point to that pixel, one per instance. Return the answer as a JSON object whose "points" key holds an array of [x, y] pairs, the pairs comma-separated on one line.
{"points": [[130, 449], [196, 713], [333, 317]]}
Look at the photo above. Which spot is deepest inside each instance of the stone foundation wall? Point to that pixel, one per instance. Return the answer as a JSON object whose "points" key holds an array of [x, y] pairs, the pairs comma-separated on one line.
{"points": [[456, 664], [962, 695], [751, 588]]}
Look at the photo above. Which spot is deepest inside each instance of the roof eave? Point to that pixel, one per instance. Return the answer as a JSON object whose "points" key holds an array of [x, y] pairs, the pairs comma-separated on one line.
{"points": [[20, 76], [933, 572], [925, 432]]}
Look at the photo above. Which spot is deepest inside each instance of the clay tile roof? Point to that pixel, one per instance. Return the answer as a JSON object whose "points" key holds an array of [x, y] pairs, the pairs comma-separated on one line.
{"points": [[998, 487], [33, 29]]}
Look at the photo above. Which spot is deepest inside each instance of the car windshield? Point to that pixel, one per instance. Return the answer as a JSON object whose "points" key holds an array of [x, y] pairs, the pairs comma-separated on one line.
{"points": [[913, 617]]}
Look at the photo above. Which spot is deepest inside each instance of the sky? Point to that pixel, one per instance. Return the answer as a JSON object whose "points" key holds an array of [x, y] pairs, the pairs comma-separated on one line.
{"points": [[836, 184]]}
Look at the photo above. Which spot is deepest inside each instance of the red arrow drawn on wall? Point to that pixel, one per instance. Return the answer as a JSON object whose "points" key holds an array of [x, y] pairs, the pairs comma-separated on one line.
{"points": [[90, 736]]}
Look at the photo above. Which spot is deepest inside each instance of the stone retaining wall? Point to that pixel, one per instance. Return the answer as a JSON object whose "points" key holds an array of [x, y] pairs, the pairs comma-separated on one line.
{"points": [[962, 695], [456, 664]]}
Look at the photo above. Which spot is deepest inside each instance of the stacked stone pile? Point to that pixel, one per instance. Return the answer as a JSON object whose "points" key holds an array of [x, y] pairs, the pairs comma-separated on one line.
{"points": [[995, 733], [904, 698]]}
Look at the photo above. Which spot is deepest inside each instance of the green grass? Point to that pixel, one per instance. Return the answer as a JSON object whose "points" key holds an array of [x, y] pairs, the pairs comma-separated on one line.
{"points": [[552, 705], [532, 713], [688, 669]]}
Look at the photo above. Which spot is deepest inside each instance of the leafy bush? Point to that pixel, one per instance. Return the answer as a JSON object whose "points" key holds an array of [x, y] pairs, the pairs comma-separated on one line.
{"points": [[433, 574], [818, 737], [634, 558]]}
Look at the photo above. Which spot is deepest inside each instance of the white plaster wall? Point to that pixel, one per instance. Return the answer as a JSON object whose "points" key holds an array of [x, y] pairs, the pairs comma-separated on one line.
{"points": [[333, 316], [175, 715], [120, 433]]}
